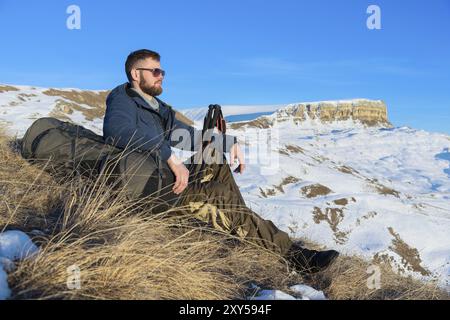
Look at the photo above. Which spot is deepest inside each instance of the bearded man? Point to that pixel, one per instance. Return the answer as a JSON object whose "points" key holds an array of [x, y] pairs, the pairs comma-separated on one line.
{"points": [[136, 118]]}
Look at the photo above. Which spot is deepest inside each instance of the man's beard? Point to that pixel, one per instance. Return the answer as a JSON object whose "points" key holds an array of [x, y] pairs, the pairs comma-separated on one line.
{"points": [[153, 91]]}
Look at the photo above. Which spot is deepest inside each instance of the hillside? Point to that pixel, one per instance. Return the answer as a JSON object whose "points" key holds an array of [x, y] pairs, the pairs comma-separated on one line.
{"points": [[335, 172]]}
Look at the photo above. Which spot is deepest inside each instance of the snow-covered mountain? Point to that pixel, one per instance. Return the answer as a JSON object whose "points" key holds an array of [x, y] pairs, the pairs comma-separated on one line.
{"points": [[336, 172], [368, 112], [21, 105], [356, 111]]}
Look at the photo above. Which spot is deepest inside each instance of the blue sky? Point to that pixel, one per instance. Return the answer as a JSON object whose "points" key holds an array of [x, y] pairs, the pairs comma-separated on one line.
{"points": [[243, 52]]}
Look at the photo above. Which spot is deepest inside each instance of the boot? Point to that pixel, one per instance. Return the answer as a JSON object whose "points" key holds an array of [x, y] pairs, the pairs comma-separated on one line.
{"points": [[307, 261]]}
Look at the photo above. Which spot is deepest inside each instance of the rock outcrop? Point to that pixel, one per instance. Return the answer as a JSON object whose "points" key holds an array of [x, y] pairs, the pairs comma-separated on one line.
{"points": [[368, 112]]}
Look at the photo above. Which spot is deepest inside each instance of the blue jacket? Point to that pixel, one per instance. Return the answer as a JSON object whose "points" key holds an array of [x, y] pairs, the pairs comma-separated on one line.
{"points": [[130, 122]]}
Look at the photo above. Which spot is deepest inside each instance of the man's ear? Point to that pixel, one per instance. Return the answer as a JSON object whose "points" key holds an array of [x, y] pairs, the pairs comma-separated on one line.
{"points": [[135, 74]]}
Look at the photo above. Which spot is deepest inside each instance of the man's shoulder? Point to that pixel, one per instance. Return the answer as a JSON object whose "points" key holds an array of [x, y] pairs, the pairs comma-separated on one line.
{"points": [[118, 94]]}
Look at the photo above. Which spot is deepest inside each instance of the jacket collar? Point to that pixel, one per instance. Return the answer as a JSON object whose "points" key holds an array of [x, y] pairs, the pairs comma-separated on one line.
{"points": [[136, 97], [163, 107]]}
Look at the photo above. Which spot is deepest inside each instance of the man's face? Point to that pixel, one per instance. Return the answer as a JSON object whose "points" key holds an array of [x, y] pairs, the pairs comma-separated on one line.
{"points": [[147, 82]]}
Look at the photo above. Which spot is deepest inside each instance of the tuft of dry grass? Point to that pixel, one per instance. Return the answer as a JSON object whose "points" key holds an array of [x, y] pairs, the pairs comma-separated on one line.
{"points": [[142, 259], [28, 194], [121, 250], [352, 279]]}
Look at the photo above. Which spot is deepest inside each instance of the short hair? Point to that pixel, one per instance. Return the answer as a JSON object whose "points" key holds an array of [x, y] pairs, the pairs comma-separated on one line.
{"points": [[136, 56]]}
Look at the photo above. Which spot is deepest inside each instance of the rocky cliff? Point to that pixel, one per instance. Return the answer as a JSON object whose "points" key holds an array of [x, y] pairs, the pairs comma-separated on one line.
{"points": [[367, 112]]}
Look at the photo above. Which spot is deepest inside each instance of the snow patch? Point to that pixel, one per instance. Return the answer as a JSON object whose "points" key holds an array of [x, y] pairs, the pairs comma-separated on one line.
{"points": [[303, 291], [14, 246]]}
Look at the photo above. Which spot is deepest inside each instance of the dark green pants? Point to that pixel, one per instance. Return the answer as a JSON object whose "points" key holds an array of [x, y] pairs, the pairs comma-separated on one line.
{"points": [[213, 196]]}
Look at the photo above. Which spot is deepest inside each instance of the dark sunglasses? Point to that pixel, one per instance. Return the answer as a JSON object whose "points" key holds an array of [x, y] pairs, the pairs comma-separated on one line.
{"points": [[156, 71]]}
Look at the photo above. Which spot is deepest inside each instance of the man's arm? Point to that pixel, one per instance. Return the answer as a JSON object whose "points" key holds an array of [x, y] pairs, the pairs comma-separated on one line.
{"points": [[180, 172]]}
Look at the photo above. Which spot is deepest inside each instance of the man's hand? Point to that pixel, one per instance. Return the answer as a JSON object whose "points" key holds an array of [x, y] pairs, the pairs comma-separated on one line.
{"points": [[181, 174], [236, 153]]}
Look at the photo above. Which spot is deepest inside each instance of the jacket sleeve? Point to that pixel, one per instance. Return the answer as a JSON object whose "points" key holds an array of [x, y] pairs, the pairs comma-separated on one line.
{"points": [[186, 137], [121, 129]]}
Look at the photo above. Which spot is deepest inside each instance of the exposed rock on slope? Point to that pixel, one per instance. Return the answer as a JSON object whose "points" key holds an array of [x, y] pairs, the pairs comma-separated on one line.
{"points": [[367, 112]]}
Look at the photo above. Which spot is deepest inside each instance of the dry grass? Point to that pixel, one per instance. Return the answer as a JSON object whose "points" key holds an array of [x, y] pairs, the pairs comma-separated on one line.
{"points": [[6, 88], [90, 98], [141, 259], [76, 100], [315, 190], [123, 251], [261, 122], [350, 276], [28, 194]]}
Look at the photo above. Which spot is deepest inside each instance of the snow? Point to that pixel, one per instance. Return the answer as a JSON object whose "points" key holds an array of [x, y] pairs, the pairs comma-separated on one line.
{"points": [[303, 291], [414, 163], [308, 293], [273, 295], [14, 245], [18, 115]]}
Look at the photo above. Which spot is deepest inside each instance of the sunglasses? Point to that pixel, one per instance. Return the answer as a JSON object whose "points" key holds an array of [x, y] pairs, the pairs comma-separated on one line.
{"points": [[156, 72]]}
